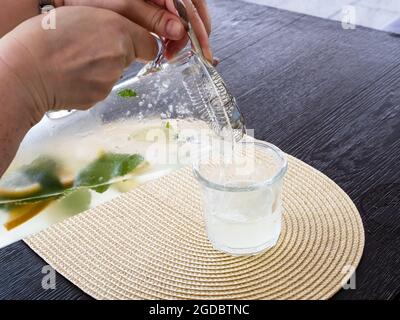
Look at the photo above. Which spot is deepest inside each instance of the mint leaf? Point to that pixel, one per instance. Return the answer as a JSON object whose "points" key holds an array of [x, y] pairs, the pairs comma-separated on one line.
{"points": [[108, 166], [127, 93], [44, 171]]}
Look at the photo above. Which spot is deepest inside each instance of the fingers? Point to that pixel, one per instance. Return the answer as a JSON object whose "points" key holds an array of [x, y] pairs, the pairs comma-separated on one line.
{"points": [[145, 13], [168, 4], [202, 9], [154, 18], [199, 29], [160, 16], [200, 20], [174, 47], [159, 20], [142, 46], [200, 5]]}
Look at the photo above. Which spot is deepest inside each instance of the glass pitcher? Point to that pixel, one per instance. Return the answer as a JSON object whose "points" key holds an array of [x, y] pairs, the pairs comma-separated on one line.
{"points": [[165, 104]]}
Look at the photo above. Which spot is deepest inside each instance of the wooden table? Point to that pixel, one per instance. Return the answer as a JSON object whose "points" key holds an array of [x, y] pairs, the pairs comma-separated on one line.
{"points": [[330, 97]]}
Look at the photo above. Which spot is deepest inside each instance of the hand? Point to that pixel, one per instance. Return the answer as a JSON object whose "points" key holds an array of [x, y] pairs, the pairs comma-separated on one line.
{"points": [[77, 64], [159, 16], [201, 23]]}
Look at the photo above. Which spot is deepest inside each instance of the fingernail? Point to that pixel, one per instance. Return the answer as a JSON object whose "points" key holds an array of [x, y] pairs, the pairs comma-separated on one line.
{"points": [[174, 30]]}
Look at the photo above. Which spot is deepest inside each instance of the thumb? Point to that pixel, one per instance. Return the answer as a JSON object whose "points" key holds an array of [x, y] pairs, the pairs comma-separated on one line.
{"points": [[147, 14], [158, 20], [144, 45]]}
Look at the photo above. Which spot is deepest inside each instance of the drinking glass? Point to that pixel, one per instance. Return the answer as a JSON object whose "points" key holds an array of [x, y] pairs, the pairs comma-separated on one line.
{"points": [[241, 186]]}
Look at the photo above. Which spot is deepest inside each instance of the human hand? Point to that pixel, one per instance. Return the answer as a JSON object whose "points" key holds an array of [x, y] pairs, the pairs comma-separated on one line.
{"points": [[200, 21], [159, 16], [78, 63]]}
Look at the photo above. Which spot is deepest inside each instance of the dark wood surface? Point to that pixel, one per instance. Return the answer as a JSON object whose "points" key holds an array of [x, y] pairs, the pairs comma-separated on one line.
{"points": [[330, 97]]}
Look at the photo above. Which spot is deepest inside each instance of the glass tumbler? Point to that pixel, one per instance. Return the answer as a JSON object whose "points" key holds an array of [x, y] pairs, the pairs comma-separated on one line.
{"points": [[241, 187]]}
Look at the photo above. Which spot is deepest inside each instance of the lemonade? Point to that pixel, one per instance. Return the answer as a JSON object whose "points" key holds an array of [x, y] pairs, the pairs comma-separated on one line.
{"points": [[155, 142], [245, 221], [241, 195]]}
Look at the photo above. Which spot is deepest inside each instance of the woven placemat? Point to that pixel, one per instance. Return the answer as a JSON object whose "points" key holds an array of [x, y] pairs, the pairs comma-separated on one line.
{"points": [[151, 244]]}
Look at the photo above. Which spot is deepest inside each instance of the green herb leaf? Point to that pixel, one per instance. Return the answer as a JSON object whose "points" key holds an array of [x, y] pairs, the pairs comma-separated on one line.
{"points": [[44, 170], [127, 93], [98, 174]]}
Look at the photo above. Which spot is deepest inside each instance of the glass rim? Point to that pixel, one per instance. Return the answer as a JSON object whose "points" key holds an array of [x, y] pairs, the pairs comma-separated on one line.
{"points": [[253, 186]]}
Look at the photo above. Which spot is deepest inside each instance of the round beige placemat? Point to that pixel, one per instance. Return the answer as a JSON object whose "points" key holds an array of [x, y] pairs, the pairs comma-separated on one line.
{"points": [[151, 244]]}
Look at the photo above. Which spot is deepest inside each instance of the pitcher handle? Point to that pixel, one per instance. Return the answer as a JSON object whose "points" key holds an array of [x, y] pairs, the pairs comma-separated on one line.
{"points": [[156, 64]]}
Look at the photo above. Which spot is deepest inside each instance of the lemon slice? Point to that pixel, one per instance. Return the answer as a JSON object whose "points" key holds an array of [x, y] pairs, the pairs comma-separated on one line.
{"points": [[23, 213], [142, 168], [18, 185], [67, 180], [132, 183], [42, 176], [126, 186], [155, 134]]}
